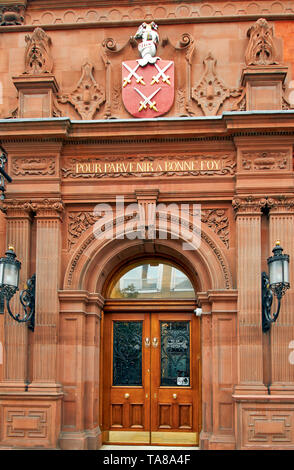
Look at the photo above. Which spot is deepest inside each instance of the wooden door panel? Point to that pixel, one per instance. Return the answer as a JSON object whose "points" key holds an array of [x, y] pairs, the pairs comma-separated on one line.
{"points": [[127, 407], [176, 406]]}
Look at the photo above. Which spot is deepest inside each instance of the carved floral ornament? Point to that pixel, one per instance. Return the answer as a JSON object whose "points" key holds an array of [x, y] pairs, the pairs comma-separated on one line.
{"points": [[265, 160], [216, 219], [12, 14]]}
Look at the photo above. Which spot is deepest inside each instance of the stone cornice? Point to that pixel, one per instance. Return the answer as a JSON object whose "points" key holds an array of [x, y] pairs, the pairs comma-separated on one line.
{"points": [[126, 131], [77, 14]]}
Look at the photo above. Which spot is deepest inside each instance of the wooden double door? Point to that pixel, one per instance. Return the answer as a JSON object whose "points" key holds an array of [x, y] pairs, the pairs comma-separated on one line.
{"points": [[151, 378]]}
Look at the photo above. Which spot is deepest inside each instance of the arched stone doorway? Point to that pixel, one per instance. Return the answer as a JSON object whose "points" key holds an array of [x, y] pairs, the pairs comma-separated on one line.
{"points": [[87, 278], [150, 367]]}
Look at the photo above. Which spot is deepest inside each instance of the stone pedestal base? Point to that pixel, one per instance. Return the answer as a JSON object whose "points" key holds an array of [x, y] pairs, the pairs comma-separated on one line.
{"points": [[264, 422], [30, 420]]}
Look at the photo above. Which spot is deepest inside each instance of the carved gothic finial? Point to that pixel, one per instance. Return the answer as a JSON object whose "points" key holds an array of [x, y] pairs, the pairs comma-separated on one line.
{"points": [[261, 49], [38, 58], [88, 96]]}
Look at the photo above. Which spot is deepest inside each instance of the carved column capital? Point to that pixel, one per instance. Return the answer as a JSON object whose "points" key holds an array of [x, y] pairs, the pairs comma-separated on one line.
{"points": [[281, 204], [14, 208], [48, 208], [249, 205]]}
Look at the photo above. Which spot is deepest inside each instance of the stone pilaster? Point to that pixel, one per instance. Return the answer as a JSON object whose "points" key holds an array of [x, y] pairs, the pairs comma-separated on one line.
{"points": [[18, 235], [48, 255], [250, 360], [79, 371], [281, 227]]}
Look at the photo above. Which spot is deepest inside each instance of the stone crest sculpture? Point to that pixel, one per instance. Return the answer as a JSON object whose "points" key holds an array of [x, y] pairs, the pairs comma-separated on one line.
{"points": [[261, 48], [148, 83], [38, 57]]}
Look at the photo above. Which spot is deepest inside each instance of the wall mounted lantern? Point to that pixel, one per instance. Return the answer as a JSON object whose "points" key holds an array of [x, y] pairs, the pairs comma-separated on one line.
{"points": [[275, 284], [9, 280]]}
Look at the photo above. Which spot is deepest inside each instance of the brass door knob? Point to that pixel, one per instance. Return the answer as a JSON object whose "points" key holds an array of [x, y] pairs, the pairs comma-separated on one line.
{"points": [[127, 395], [174, 396]]}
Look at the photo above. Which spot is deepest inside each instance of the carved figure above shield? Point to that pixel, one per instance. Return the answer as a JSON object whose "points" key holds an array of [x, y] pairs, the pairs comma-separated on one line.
{"points": [[148, 83]]}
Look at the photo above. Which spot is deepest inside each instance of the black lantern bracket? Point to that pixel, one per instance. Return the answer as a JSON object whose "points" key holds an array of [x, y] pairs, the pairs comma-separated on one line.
{"points": [[3, 175], [26, 296], [271, 288]]}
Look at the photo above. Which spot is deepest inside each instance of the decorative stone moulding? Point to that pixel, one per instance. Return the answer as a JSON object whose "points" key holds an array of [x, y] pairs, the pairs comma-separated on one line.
{"points": [[210, 93], [263, 77], [12, 12], [88, 96]]}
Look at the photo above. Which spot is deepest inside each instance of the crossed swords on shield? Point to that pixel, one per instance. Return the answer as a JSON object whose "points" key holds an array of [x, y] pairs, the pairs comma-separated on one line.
{"points": [[139, 79]]}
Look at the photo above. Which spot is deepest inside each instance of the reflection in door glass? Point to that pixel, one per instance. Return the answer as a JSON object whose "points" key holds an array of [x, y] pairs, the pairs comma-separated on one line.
{"points": [[175, 353], [127, 353]]}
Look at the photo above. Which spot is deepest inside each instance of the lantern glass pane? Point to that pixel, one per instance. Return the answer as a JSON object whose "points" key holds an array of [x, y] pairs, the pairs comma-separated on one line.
{"points": [[276, 272], [10, 277], [286, 270], [1, 273]]}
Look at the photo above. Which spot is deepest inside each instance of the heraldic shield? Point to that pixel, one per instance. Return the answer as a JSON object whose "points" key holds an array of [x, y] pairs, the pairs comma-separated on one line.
{"points": [[148, 91]]}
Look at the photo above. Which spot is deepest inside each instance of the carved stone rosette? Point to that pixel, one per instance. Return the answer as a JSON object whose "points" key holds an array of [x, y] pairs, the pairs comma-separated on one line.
{"points": [[88, 96]]}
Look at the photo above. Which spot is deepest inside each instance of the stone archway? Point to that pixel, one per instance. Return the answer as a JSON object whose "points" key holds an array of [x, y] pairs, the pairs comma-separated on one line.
{"points": [[81, 303]]}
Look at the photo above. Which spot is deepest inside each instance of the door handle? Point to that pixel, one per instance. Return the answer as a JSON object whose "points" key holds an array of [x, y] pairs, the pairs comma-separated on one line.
{"points": [[147, 342], [127, 395], [174, 396], [155, 342]]}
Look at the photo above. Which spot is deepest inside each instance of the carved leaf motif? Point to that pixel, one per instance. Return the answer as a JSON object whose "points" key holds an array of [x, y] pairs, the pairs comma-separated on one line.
{"points": [[88, 96]]}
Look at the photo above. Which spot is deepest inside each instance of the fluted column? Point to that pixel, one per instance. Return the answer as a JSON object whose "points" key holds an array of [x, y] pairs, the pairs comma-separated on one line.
{"points": [[250, 360], [18, 234], [281, 227], [48, 256]]}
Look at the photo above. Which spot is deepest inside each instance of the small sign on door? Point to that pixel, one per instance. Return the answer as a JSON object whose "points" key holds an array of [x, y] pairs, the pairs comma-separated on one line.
{"points": [[183, 381]]}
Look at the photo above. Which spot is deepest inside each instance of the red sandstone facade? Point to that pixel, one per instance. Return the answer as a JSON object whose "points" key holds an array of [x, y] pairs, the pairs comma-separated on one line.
{"points": [[62, 115]]}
